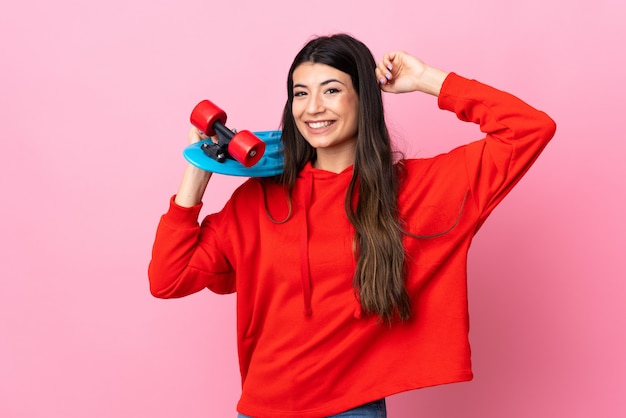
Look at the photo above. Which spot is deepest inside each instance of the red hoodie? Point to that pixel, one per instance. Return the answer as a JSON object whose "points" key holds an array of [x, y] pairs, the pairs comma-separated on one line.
{"points": [[305, 350]]}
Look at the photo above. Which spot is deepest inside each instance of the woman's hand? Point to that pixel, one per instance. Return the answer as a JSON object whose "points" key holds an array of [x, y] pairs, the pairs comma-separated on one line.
{"points": [[400, 72], [196, 135]]}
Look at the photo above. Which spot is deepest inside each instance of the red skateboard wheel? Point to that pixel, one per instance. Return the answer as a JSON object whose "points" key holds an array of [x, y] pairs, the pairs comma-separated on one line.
{"points": [[246, 148], [204, 116]]}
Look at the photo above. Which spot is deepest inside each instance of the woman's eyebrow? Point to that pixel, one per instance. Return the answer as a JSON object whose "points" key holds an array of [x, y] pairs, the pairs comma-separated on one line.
{"points": [[323, 83]]}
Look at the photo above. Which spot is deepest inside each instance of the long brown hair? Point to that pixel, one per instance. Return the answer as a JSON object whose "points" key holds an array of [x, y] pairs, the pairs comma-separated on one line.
{"points": [[379, 276]]}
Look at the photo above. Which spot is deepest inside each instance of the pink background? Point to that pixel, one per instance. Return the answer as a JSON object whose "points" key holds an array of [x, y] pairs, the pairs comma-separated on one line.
{"points": [[94, 106]]}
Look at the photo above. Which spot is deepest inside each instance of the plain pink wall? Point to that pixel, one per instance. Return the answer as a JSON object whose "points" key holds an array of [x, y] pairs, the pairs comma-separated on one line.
{"points": [[94, 103]]}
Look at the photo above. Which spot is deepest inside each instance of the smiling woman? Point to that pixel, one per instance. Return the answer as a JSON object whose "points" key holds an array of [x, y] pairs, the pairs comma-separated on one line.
{"points": [[325, 108], [350, 267]]}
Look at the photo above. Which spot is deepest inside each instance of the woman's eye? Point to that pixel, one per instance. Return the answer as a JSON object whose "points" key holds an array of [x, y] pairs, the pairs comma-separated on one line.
{"points": [[332, 90], [298, 93]]}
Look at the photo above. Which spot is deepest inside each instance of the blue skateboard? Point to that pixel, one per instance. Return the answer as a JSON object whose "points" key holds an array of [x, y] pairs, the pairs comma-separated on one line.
{"points": [[235, 153], [270, 163]]}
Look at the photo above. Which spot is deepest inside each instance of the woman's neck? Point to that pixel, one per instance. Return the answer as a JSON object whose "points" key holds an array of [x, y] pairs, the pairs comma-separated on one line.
{"points": [[333, 161]]}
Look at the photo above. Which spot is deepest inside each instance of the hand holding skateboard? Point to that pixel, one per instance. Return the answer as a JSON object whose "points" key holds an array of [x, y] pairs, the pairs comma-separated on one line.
{"points": [[235, 153]]}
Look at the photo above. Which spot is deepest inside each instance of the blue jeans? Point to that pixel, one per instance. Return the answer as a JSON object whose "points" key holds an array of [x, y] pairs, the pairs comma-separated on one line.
{"points": [[376, 409]]}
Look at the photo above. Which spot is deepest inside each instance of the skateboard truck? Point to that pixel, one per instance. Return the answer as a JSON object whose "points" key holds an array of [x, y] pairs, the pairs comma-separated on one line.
{"points": [[219, 151], [242, 146]]}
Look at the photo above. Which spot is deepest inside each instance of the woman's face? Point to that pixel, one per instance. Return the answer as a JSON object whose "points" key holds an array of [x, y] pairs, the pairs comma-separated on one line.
{"points": [[325, 108]]}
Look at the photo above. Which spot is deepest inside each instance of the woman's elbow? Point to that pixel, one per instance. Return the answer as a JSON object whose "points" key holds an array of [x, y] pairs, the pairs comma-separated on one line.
{"points": [[158, 290], [160, 287], [547, 127]]}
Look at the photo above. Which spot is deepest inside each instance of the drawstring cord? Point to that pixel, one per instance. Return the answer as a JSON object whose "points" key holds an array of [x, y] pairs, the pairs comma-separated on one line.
{"points": [[305, 272]]}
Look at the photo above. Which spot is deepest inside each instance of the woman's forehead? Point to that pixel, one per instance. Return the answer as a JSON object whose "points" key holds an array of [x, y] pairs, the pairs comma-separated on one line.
{"points": [[313, 73]]}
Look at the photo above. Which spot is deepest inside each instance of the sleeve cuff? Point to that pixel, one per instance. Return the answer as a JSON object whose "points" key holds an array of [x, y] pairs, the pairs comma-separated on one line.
{"points": [[182, 216], [454, 86]]}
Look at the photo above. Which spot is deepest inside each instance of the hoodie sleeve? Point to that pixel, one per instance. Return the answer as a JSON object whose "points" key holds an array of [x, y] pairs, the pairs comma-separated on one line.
{"points": [[516, 133], [187, 258]]}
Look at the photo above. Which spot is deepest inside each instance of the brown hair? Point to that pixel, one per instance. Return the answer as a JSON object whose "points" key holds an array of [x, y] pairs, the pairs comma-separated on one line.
{"points": [[379, 276]]}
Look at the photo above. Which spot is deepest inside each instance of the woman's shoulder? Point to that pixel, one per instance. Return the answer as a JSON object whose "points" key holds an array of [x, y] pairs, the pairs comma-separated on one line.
{"points": [[431, 166], [256, 190]]}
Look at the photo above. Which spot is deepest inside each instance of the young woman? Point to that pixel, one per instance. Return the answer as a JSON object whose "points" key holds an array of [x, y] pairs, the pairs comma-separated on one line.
{"points": [[350, 267]]}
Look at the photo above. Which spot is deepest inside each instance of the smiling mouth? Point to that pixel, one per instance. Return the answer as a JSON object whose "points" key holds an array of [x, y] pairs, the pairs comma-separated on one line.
{"points": [[319, 125]]}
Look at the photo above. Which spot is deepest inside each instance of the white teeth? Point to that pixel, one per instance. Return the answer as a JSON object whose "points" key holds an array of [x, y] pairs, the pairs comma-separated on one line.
{"points": [[318, 125]]}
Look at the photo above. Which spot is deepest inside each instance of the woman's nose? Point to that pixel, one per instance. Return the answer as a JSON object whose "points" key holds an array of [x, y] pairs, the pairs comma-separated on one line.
{"points": [[315, 104]]}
